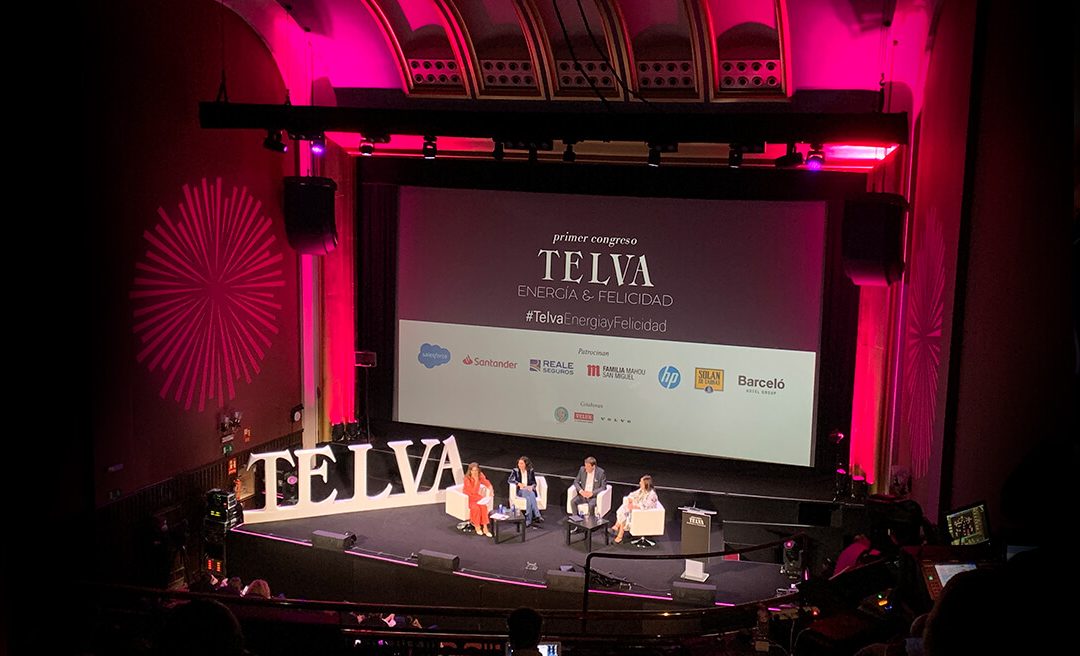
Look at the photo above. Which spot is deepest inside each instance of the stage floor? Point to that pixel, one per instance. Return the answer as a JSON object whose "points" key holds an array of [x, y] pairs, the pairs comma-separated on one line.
{"points": [[399, 534]]}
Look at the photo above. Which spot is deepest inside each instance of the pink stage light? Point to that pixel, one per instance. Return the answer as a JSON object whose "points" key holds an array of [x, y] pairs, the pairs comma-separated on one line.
{"points": [[856, 152]]}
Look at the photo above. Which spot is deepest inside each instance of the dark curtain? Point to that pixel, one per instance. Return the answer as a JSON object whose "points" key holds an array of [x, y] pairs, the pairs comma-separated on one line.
{"points": [[377, 216]]}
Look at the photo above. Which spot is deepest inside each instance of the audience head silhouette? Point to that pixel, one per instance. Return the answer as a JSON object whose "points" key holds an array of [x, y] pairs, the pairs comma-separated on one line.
{"points": [[967, 616], [201, 626], [524, 626]]}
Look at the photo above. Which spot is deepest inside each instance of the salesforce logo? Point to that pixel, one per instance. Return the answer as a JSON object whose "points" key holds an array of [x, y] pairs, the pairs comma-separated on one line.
{"points": [[432, 355], [669, 377]]}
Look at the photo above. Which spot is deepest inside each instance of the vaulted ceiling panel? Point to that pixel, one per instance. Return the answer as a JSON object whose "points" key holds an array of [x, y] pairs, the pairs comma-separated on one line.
{"points": [[748, 42], [581, 46], [429, 55], [501, 58], [665, 48]]}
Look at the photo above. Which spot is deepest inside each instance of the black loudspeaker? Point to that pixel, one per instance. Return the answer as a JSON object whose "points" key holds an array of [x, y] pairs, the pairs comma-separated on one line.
{"points": [[873, 238], [332, 541], [565, 581], [438, 561], [698, 594], [309, 214]]}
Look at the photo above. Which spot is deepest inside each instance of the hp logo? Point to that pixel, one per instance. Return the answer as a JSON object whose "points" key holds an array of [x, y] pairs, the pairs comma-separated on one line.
{"points": [[669, 377]]}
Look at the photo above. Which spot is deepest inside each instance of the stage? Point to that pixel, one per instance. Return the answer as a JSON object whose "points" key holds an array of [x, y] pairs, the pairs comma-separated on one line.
{"points": [[755, 503], [397, 535]]}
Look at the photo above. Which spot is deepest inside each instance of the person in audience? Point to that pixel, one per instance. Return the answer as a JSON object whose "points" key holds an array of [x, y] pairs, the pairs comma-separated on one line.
{"points": [[201, 626], [478, 488], [859, 551], [589, 482], [524, 626], [258, 588], [233, 587], [969, 614], [643, 498], [202, 582], [524, 479]]}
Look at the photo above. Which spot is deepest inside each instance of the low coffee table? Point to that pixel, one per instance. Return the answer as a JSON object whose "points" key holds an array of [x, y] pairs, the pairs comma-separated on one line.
{"points": [[589, 525], [515, 517]]}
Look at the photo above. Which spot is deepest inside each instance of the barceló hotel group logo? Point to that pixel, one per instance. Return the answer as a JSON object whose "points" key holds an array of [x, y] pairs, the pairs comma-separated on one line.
{"points": [[470, 361]]}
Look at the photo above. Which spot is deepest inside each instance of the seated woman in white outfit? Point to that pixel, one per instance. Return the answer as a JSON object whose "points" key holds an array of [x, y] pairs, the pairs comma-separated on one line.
{"points": [[644, 498]]}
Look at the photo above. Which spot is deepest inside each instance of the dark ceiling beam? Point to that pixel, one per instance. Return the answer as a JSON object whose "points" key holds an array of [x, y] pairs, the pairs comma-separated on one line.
{"points": [[506, 120]]}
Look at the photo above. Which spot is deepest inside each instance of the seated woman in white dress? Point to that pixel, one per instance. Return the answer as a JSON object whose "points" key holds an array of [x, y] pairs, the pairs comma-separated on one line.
{"points": [[644, 498]]}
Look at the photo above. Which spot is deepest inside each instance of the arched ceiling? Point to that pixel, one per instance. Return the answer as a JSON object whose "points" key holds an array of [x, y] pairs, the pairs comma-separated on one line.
{"points": [[633, 52]]}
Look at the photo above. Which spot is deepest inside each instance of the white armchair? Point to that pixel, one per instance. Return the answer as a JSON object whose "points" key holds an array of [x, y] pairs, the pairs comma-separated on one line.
{"points": [[457, 503], [541, 495], [645, 523], [603, 502]]}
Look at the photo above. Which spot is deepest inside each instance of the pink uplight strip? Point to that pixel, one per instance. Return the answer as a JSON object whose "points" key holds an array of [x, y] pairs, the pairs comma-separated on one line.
{"points": [[495, 579], [853, 152]]}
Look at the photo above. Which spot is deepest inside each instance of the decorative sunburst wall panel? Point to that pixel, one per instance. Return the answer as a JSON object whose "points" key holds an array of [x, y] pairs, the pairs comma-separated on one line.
{"points": [[206, 294]]}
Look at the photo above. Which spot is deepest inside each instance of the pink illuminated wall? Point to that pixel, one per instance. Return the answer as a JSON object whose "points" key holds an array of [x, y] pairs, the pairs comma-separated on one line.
{"points": [[927, 314], [339, 294], [871, 369], [195, 297]]}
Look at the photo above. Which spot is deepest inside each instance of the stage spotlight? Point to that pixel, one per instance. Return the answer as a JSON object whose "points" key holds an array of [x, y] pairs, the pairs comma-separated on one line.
{"points": [[274, 142], [792, 158], [499, 152], [569, 155], [654, 155], [793, 559], [367, 147], [734, 158], [841, 484], [859, 488], [430, 150], [318, 144], [815, 159]]}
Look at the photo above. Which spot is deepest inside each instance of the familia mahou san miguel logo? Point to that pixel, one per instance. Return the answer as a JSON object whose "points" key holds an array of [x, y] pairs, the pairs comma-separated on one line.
{"points": [[614, 372]]}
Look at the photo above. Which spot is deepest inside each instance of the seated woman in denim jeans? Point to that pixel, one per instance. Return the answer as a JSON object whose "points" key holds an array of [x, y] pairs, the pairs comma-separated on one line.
{"points": [[524, 479]]}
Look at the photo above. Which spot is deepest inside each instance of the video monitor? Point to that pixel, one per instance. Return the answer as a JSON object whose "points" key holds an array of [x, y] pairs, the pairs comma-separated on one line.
{"points": [[937, 574], [968, 525]]}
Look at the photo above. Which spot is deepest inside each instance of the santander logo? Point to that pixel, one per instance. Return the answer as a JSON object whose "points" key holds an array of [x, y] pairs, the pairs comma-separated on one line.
{"points": [[488, 362]]}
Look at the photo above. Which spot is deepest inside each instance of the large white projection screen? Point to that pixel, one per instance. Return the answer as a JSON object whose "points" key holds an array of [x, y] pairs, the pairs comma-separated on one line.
{"points": [[666, 324]]}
